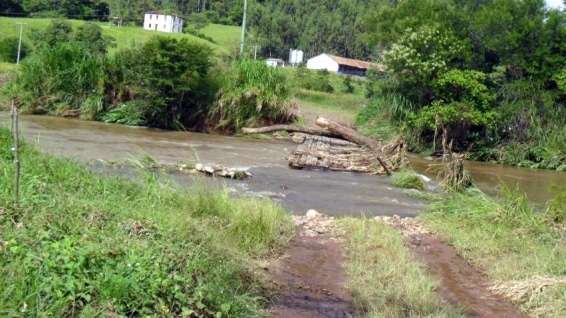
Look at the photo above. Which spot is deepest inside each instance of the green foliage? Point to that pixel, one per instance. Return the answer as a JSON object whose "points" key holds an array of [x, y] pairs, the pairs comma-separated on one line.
{"points": [[58, 31], [560, 79], [330, 26], [9, 49], [131, 113], [84, 245], [253, 94], [407, 179], [419, 57], [171, 77], [556, 209], [59, 78], [314, 80], [90, 35], [385, 116], [348, 86], [487, 80]]}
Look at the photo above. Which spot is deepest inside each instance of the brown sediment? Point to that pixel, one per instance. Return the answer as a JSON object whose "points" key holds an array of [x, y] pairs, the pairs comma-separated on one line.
{"points": [[310, 280], [461, 283]]}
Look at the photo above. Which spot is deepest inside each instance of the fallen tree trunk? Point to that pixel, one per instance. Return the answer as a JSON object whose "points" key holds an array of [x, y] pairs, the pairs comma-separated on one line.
{"points": [[319, 152], [289, 128], [355, 137]]}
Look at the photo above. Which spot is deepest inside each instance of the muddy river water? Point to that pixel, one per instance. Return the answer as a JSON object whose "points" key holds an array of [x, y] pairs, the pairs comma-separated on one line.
{"points": [[334, 193]]}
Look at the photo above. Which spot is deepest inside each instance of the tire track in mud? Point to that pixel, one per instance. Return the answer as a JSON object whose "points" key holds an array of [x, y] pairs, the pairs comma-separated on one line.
{"points": [[309, 278], [461, 283]]}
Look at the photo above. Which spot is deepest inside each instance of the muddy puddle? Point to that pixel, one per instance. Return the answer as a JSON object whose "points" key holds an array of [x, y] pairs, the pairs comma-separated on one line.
{"points": [[334, 193]]}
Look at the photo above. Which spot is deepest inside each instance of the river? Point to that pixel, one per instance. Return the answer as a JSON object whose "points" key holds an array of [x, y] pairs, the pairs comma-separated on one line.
{"points": [[334, 193]]}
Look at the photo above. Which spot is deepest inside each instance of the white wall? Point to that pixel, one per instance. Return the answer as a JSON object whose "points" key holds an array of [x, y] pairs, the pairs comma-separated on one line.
{"points": [[322, 62], [163, 23]]}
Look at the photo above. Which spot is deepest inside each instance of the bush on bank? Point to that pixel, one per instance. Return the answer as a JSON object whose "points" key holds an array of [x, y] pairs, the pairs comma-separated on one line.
{"points": [[253, 94], [82, 245]]}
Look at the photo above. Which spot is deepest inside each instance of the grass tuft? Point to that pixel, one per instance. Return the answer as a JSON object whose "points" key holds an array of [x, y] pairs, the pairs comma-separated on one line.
{"points": [[407, 179]]}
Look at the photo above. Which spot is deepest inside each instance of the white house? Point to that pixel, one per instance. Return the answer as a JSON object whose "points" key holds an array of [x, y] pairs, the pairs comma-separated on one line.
{"points": [[273, 62], [157, 21], [340, 65]]}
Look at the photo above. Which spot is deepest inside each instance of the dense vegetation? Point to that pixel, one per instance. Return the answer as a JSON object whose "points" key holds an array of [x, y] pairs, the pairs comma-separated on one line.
{"points": [[164, 82], [81, 245], [487, 76]]}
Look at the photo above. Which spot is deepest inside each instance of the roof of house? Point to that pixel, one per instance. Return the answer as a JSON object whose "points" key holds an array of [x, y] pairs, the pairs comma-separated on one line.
{"points": [[355, 63]]}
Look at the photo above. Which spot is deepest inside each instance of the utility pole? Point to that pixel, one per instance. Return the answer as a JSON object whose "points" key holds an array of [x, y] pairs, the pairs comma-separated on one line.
{"points": [[16, 131], [243, 29]]}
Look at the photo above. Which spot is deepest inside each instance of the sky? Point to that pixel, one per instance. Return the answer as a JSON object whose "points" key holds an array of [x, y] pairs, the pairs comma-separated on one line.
{"points": [[554, 3]]}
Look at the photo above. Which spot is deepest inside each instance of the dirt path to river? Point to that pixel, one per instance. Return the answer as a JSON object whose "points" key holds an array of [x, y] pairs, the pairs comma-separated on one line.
{"points": [[311, 282], [310, 278]]}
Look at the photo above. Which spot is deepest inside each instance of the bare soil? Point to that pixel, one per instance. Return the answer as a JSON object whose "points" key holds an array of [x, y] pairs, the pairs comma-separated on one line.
{"points": [[309, 278], [461, 283]]}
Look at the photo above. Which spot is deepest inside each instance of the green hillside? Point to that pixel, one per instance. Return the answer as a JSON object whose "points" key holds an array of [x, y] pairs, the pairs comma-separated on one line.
{"points": [[224, 36]]}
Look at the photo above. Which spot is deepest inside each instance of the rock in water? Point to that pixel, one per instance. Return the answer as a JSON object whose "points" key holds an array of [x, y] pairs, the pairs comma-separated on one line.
{"points": [[312, 214]]}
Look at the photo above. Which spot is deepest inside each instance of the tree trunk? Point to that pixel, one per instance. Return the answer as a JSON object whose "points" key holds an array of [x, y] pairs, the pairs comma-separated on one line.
{"points": [[355, 137], [289, 128]]}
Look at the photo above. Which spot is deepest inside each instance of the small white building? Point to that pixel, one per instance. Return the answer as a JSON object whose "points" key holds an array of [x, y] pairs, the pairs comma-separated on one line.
{"points": [[341, 65], [157, 21], [295, 57], [273, 62]]}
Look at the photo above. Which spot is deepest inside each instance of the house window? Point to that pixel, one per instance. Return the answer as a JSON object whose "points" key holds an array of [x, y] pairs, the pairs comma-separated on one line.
{"points": [[150, 25]]}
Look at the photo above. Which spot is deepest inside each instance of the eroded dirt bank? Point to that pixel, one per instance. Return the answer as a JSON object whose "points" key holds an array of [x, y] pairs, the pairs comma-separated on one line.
{"points": [[461, 283], [310, 279]]}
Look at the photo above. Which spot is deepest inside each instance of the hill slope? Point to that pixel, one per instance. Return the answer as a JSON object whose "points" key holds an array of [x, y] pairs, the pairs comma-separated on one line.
{"points": [[224, 36]]}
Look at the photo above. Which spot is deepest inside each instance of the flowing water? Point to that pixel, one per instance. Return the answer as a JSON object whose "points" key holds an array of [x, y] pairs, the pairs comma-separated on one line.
{"points": [[539, 185], [334, 193]]}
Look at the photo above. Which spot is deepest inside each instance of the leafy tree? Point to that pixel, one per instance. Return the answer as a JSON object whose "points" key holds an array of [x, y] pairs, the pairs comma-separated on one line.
{"points": [[90, 35]]}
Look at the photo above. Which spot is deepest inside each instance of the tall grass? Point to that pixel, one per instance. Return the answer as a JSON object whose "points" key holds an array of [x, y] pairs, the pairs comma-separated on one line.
{"points": [[384, 278], [385, 116], [81, 245], [254, 94]]}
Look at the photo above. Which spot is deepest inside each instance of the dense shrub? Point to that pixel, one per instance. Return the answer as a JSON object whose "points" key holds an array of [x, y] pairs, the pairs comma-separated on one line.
{"points": [[314, 80], [9, 50], [171, 78], [59, 78], [254, 94], [90, 35]]}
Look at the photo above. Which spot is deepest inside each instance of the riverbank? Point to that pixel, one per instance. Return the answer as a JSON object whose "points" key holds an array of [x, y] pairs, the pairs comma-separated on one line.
{"points": [[522, 251], [79, 242]]}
